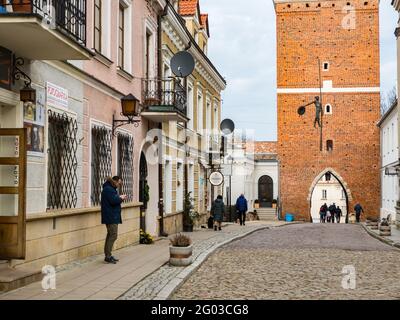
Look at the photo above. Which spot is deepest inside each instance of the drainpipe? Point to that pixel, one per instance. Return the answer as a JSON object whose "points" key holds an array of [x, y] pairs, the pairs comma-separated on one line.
{"points": [[160, 126]]}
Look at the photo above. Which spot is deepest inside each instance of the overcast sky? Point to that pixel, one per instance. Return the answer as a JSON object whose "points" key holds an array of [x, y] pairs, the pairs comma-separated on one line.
{"points": [[243, 48]]}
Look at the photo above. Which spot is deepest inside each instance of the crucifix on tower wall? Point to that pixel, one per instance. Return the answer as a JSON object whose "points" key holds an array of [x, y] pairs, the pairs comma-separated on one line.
{"points": [[318, 107]]}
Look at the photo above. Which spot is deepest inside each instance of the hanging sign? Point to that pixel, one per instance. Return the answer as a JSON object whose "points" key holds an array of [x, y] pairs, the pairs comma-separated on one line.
{"points": [[216, 178], [57, 97]]}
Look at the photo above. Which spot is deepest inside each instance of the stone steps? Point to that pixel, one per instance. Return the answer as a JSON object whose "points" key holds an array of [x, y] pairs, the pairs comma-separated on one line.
{"points": [[267, 214], [11, 279]]}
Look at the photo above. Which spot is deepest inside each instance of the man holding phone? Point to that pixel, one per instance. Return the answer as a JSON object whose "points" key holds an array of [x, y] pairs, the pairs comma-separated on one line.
{"points": [[111, 214]]}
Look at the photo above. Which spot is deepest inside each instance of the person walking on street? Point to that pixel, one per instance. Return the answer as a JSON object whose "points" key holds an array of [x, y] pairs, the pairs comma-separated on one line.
{"points": [[322, 213], [338, 214], [217, 211], [241, 207], [111, 214], [359, 210], [332, 210]]}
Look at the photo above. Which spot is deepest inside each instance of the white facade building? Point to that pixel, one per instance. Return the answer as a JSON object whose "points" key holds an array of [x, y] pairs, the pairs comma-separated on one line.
{"points": [[329, 191], [390, 160], [255, 173]]}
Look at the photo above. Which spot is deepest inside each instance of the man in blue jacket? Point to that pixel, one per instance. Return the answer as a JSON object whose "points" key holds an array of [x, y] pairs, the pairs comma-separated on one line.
{"points": [[241, 207], [111, 214]]}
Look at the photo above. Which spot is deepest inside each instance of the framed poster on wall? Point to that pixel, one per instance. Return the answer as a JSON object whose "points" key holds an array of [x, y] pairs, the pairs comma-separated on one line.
{"points": [[34, 122]]}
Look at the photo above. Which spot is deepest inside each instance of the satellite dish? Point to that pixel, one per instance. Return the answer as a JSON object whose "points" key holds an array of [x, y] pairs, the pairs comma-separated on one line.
{"points": [[182, 64], [227, 127], [301, 111]]}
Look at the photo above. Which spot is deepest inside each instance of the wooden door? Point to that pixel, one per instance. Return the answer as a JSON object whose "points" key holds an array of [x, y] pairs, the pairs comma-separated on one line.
{"points": [[12, 193], [265, 191]]}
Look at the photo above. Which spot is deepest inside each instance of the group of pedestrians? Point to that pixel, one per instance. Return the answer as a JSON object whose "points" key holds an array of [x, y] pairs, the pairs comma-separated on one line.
{"points": [[330, 214]]}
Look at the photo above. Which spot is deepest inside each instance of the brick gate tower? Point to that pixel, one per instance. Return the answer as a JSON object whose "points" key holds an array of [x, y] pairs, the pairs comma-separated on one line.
{"points": [[344, 36]]}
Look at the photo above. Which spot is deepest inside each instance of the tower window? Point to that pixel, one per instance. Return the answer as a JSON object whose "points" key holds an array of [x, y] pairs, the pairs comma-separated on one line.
{"points": [[326, 66], [328, 109], [328, 176], [329, 145]]}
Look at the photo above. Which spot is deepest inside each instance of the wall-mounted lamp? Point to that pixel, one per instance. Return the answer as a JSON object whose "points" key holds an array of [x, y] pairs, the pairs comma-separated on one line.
{"points": [[27, 94], [131, 110], [392, 171]]}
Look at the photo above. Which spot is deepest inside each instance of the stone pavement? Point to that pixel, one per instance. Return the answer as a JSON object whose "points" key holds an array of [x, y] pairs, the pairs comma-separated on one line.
{"points": [[298, 262], [92, 279]]}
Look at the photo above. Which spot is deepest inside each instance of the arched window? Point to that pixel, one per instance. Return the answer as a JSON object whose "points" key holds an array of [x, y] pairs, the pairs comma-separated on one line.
{"points": [[328, 176], [328, 109], [329, 145]]}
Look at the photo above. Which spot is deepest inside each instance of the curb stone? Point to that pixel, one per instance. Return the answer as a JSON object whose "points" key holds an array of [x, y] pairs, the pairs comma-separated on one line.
{"points": [[174, 284]]}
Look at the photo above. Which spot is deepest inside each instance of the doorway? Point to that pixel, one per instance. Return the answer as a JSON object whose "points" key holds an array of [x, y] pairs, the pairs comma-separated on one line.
{"points": [[143, 190], [265, 191]]}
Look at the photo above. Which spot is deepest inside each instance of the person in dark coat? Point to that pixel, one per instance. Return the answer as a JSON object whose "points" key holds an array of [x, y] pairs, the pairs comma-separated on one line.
{"points": [[111, 214], [338, 214], [322, 213], [358, 209], [217, 211], [332, 210], [241, 207]]}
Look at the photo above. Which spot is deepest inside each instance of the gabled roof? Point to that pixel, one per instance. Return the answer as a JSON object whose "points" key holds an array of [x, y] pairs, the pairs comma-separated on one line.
{"points": [[188, 7], [204, 23]]}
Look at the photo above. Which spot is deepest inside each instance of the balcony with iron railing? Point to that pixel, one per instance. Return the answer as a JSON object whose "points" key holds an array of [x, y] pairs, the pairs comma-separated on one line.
{"points": [[44, 29], [164, 100]]}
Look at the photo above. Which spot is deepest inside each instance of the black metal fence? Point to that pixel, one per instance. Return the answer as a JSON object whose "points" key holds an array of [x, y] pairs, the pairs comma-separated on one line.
{"points": [[101, 161], [165, 93], [62, 162], [68, 16], [125, 164]]}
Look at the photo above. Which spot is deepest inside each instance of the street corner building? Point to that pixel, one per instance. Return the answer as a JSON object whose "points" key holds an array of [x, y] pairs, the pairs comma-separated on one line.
{"points": [[328, 49], [68, 69]]}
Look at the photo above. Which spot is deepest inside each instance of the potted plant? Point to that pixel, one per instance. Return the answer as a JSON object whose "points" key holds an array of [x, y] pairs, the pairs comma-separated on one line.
{"points": [[145, 238], [180, 251], [385, 229], [188, 213], [256, 204], [274, 203], [374, 223]]}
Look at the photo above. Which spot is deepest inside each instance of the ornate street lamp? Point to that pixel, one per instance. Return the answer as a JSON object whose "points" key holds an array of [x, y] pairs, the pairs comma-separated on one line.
{"points": [[27, 94], [131, 110]]}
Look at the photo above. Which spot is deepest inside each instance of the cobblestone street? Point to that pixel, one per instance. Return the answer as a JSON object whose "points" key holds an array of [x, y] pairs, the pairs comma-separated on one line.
{"points": [[301, 261]]}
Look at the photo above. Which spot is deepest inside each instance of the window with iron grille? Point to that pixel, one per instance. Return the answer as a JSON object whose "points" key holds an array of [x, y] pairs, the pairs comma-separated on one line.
{"points": [[62, 176], [101, 161], [125, 164]]}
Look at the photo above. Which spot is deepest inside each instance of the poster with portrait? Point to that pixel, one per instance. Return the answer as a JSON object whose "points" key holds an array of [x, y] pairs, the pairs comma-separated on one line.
{"points": [[34, 122]]}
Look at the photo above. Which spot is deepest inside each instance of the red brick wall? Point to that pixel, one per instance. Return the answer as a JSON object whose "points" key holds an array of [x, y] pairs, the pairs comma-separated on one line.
{"points": [[304, 34]]}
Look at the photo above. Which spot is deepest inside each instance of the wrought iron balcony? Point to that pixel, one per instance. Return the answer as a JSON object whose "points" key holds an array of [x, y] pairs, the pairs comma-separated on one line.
{"points": [[44, 29], [164, 100]]}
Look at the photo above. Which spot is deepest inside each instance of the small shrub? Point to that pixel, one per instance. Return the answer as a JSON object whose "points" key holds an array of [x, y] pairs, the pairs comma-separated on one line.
{"points": [[145, 238], [181, 240]]}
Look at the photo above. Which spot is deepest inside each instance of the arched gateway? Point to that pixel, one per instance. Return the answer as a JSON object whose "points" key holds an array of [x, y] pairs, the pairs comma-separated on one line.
{"points": [[324, 185]]}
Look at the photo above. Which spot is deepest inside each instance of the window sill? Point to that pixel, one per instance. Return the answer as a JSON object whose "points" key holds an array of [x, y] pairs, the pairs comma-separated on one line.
{"points": [[125, 74], [102, 58]]}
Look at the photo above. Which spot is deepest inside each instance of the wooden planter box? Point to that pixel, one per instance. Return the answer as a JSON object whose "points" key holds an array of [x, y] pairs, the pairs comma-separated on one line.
{"points": [[180, 256], [374, 225], [385, 231]]}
